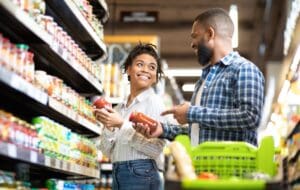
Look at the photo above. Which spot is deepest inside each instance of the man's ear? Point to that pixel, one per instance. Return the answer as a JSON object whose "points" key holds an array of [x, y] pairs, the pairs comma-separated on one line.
{"points": [[210, 33]]}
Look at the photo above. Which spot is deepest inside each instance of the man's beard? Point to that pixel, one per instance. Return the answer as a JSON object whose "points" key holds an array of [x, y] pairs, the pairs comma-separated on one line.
{"points": [[204, 54]]}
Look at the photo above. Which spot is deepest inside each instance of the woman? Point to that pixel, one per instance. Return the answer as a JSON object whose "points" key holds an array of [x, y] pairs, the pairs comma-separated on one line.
{"points": [[136, 159]]}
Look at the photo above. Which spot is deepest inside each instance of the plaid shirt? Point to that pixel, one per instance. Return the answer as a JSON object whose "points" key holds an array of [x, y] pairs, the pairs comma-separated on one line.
{"points": [[231, 102]]}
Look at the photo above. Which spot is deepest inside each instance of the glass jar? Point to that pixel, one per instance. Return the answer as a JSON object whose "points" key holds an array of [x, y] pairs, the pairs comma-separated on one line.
{"points": [[5, 52], [21, 59], [13, 58], [41, 80], [29, 71], [40, 5]]}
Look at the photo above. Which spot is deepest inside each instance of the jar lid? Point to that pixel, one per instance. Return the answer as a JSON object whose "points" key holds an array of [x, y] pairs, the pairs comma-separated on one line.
{"points": [[22, 46]]}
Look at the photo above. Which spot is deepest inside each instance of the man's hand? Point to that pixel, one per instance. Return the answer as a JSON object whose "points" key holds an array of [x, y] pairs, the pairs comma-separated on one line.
{"points": [[179, 112], [145, 130], [109, 117]]}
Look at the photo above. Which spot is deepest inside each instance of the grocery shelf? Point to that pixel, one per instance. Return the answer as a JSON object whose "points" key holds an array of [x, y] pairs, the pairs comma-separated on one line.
{"points": [[67, 14], [100, 10], [21, 97], [19, 26], [30, 156], [19, 84], [62, 66], [61, 108]]}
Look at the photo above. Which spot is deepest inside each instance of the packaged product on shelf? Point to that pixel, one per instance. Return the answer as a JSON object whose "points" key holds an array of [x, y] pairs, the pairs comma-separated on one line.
{"points": [[17, 131], [20, 58], [29, 68], [59, 142], [6, 48]]}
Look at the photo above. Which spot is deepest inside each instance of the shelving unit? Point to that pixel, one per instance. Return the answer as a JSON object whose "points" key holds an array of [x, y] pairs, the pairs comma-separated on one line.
{"points": [[29, 156], [67, 14], [25, 100], [20, 92], [17, 24]]}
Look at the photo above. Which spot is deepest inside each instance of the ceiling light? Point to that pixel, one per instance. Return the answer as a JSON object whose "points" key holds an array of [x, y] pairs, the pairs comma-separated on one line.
{"points": [[184, 72], [233, 13], [188, 87]]}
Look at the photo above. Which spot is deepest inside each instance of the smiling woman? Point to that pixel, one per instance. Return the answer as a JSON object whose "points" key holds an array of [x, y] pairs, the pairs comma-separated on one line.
{"points": [[136, 159]]}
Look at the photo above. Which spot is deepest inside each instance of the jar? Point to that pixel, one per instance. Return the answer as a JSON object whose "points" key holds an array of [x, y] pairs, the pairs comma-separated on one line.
{"points": [[5, 52], [14, 56], [40, 5], [24, 4], [29, 71], [21, 59], [41, 80], [45, 22], [49, 24], [57, 90]]}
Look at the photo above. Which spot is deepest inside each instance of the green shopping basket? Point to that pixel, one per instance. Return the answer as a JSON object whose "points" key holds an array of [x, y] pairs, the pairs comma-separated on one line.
{"points": [[231, 160]]}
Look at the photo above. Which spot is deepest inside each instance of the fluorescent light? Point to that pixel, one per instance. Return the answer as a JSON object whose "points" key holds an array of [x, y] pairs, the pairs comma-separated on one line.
{"points": [[184, 72], [233, 13], [188, 87]]}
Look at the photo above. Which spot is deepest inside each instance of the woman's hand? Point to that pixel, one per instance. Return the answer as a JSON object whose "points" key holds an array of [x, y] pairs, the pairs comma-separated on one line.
{"points": [[109, 117]]}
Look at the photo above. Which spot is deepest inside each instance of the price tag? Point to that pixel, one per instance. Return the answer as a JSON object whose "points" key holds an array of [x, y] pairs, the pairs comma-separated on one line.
{"points": [[33, 156], [12, 150]]}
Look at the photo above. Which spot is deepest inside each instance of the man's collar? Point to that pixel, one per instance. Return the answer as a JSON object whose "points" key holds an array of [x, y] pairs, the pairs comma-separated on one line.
{"points": [[227, 60]]}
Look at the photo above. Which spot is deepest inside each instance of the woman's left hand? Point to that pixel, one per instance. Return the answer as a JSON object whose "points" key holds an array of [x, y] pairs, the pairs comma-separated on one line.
{"points": [[109, 117]]}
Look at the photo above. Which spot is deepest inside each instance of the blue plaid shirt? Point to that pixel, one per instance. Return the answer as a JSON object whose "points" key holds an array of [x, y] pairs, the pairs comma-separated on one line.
{"points": [[231, 102]]}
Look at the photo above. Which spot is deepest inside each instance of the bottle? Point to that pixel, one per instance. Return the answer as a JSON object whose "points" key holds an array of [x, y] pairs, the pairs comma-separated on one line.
{"points": [[99, 102], [138, 117]]}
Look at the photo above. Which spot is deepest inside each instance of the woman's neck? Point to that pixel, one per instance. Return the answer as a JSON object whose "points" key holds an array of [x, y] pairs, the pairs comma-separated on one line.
{"points": [[134, 92]]}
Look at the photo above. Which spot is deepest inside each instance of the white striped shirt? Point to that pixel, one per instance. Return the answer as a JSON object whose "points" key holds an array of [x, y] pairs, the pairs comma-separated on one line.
{"points": [[125, 143]]}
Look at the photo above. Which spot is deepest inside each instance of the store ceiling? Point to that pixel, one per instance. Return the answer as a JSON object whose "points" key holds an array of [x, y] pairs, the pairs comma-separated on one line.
{"points": [[261, 24]]}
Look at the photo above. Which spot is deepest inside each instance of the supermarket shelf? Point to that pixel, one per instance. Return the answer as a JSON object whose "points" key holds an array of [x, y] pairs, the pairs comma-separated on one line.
{"points": [[19, 84], [62, 65], [66, 13], [18, 95], [61, 108], [52, 59], [106, 166], [100, 9], [33, 157]]}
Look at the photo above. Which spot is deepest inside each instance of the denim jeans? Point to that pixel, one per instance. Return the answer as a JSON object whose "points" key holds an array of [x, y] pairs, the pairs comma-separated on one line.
{"points": [[136, 175]]}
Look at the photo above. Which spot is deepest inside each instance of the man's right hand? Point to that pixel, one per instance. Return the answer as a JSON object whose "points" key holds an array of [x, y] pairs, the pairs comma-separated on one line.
{"points": [[145, 130]]}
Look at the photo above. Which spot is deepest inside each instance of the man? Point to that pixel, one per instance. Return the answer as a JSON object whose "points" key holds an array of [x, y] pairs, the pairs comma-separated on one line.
{"points": [[228, 97]]}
